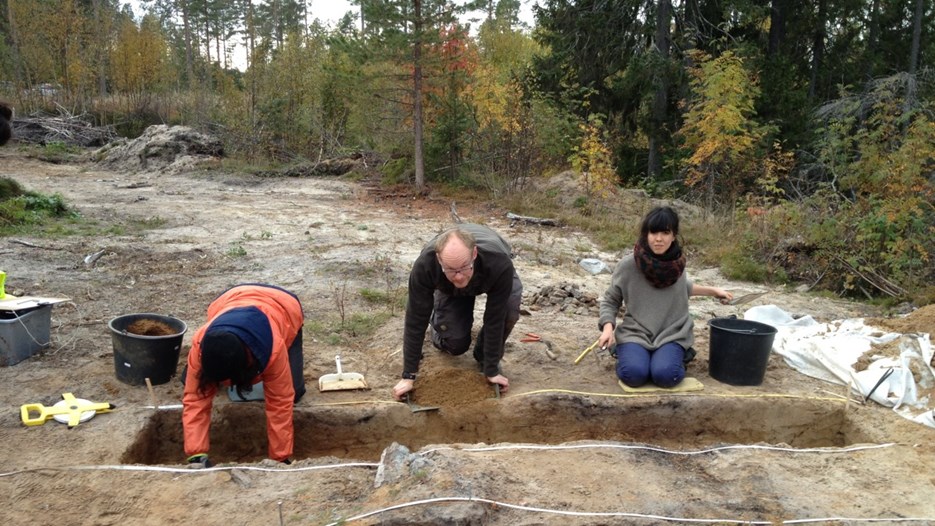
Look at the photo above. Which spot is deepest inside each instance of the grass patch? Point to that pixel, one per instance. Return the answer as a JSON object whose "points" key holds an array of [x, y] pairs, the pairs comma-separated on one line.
{"points": [[54, 152], [236, 250], [147, 223], [25, 212], [738, 266], [394, 298], [337, 331], [611, 229]]}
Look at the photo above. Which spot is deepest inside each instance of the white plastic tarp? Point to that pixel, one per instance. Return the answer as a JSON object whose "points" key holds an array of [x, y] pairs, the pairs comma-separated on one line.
{"points": [[830, 351]]}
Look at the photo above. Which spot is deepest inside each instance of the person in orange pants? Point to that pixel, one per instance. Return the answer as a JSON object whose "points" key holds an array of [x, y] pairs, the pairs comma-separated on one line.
{"points": [[253, 334]]}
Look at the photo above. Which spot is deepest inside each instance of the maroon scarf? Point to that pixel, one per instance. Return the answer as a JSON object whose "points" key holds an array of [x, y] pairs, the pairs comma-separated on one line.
{"points": [[662, 270]]}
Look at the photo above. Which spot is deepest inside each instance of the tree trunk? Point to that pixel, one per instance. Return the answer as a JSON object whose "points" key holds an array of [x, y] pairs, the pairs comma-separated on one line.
{"points": [[207, 39], [818, 50], [777, 27], [18, 70], [363, 21], [417, 98], [916, 37], [217, 50], [189, 54], [101, 49], [873, 39], [251, 33], [251, 44], [657, 133]]}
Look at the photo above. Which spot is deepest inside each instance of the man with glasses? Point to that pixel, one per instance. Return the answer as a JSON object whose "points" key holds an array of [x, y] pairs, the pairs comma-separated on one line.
{"points": [[452, 270]]}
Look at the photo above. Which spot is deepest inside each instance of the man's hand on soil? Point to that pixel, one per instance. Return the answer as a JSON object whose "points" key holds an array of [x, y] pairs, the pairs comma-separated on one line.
{"points": [[502, 380], [403, 387]]}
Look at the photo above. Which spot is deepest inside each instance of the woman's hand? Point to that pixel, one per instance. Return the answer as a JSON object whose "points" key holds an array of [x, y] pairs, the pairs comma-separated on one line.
{"points": [[607, 336], [721, 294]]}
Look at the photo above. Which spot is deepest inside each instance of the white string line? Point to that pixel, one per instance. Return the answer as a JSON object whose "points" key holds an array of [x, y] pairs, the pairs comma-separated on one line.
{"points": [[74, 337], [613, 514], [19, 318], [423, 453], [662, 450], [32, 337], [189, 470], [923, 520]]}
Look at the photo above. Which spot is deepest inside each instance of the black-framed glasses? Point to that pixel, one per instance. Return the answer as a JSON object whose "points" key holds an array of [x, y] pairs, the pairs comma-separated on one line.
{"points": [[455, 271]]}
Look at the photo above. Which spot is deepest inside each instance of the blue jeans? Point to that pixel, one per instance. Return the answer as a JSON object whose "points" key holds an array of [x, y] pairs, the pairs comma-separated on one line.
{"points": [[664, 366]]}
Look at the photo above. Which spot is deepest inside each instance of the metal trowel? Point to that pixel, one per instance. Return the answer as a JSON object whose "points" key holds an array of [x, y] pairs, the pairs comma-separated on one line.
{"points": [[418, 408], [746, 298]]}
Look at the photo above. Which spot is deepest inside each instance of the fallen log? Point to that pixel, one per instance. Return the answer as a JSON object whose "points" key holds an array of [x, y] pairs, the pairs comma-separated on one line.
{"points": [[514, 218]]}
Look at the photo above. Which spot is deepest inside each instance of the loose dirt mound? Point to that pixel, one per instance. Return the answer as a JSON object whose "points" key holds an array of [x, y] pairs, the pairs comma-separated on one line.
{"points": [[918, 321], [161, 147]]}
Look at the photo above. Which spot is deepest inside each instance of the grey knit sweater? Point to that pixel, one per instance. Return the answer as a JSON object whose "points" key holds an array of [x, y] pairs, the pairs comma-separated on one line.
{"points": [[653, 316]]}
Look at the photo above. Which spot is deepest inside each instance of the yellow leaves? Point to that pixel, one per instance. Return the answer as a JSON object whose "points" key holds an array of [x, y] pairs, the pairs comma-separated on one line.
{"points": [[492, 98], [592, 159], [46, 35], [720, 131], [138, 59]]}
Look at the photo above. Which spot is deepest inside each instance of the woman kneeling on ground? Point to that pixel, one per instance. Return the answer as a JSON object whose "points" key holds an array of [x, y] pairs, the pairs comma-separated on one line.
{"points": [[655, 334]]}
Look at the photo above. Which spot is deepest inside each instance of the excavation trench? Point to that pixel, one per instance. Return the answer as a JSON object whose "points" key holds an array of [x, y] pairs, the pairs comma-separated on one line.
{"points": [[361, 432]]}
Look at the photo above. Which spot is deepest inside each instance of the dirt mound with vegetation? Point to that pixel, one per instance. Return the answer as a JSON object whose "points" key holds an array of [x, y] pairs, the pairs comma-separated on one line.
{"points": [[160, 148]]}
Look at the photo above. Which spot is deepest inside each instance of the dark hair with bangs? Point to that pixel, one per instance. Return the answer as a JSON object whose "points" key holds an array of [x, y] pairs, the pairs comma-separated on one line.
{"points": [[660, 219], [225, 357]]}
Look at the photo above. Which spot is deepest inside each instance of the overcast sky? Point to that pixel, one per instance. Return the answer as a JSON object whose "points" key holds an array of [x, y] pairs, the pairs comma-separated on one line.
{"points": [[330, 11]]}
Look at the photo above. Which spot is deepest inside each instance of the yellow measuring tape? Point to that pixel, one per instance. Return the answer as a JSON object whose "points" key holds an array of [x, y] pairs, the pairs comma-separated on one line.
{"points": [[77, 410]]}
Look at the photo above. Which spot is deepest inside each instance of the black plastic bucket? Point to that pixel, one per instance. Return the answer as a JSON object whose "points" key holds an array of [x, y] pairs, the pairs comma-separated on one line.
{"points": [[739, 350], [138, 357]]}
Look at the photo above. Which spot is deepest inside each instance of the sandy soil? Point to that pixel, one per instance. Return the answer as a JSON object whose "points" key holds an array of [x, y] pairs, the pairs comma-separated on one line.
{"points": [[565, 446]]}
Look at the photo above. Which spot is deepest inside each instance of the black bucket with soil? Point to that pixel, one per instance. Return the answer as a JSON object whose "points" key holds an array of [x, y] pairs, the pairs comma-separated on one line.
{"points": [[146, 346], [739, 350]]}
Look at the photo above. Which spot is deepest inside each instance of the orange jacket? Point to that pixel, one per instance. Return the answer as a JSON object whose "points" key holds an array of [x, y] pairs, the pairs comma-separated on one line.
{"points": [[284, 314]]}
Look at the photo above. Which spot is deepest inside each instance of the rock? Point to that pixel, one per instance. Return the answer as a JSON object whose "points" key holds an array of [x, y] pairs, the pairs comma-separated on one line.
{"points": [[241, 478], [394, 464], [594, 266]]}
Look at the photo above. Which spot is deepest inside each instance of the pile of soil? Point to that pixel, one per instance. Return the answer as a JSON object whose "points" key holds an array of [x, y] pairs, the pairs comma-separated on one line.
{"points": [[920, 321], [147, 327], [160, 148]]}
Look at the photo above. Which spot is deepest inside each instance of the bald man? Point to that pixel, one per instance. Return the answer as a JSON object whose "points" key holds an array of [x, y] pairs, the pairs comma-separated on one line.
{"points": [[452, 270]]}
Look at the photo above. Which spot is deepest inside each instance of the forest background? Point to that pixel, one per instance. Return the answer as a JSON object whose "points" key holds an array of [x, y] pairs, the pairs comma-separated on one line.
{"points": [[803, 128]]}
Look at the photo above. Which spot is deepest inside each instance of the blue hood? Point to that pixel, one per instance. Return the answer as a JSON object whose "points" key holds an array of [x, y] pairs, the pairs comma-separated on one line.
{"points": [[252, 327]]}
